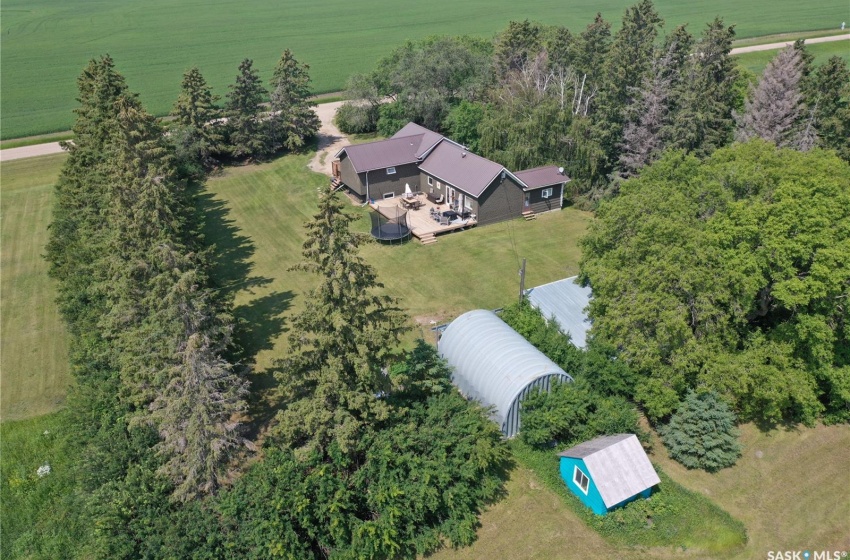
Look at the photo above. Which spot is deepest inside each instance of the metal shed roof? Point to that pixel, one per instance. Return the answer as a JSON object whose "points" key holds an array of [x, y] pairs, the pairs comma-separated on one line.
{"points": [[618, 466], [565, 300], [493, 363]]}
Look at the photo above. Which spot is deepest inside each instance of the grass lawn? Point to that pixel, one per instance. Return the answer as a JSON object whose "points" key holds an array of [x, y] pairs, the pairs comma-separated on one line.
{"points": [[33, 345], [47, 43], [790, 490], [756, 61], [255, 215]]}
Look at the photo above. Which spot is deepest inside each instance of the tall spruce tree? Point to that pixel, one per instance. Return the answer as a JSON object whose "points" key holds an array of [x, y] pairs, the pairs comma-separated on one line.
{"points": [[703, 99], [247, 134], [826, 91], [197, 127], [292, 118], [591, 50], [333, 380], [646, 118], [775, 112], [77, 229], [627, 64]]}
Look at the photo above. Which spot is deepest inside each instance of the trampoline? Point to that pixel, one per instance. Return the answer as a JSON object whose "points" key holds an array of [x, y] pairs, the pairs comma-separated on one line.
{"points": [[390, 230]]}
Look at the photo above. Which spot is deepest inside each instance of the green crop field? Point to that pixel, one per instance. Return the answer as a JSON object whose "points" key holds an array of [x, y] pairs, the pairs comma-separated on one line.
{"points": [[46, 43]]}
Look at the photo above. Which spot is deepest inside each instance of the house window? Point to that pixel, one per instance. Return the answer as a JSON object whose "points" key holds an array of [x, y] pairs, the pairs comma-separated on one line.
{"points": [[430, 181], [390, 170], [547, 193], [581, 479], [467, 203]]}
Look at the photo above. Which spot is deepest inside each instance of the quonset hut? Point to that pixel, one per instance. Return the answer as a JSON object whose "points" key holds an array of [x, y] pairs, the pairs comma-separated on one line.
{"points": [[495, 365]]}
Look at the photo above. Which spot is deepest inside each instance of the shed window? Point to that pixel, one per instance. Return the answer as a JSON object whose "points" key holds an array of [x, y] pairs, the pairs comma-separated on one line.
{"points": [[547, 192], [581, 480], [430, 181], [390, 170]]}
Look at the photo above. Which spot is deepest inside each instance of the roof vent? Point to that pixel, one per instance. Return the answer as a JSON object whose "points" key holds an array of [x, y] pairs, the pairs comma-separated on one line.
{"points": [[561, 170], [463, 154]]}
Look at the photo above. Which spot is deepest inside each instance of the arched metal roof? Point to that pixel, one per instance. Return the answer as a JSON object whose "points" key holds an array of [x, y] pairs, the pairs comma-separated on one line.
{"points": [[494, 364]]}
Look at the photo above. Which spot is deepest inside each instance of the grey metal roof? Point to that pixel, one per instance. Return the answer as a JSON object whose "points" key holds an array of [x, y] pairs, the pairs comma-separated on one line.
{"points": [[565, 300], [492, 363], [452, 164], [383, 153], [428, 138], [539, 177], [618, 466]]}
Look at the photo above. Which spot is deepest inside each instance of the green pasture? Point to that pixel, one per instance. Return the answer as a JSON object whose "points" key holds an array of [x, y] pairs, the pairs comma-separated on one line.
{"points": [[47, 43], [33, 342], [756, 61]]}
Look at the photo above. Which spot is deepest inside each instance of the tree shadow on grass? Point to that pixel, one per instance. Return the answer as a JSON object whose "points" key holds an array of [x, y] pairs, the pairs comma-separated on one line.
{"points": [[230, 251], [259, 322]]}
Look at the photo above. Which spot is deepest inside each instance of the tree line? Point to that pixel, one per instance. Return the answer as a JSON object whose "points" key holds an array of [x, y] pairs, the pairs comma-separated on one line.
{"points": [[601, 104], [246, 127], [373, 453]]}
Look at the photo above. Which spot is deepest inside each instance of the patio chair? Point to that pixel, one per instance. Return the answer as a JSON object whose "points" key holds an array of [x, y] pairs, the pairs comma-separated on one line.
{"points": [[439, 200]]}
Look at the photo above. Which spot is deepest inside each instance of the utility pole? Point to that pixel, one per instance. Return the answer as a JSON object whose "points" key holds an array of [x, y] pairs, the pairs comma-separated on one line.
{"points": [[522, 281]]}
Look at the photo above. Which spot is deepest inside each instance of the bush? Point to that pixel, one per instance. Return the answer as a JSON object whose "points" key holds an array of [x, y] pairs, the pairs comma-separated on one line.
{"points": [[354, 118], [702, 433], [572, 413]]}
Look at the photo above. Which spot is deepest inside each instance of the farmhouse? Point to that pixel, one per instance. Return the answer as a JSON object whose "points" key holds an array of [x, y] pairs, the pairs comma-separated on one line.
{"points": [[418, 161], [608, 472], [495, 365]]}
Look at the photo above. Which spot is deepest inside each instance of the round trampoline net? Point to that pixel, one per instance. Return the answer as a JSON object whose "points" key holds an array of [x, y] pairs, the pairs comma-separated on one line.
{"points": [[390, 229]]}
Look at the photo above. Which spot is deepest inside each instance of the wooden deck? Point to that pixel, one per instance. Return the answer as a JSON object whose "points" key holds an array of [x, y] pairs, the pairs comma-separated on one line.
{"points": [[421, 224]]}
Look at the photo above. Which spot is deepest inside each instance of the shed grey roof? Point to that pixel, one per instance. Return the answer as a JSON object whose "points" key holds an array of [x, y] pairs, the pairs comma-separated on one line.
{"points": [[383, 153], [618, 466], [492, 362], [539, 177], [565, 300], [428, 138], [452, 164]]}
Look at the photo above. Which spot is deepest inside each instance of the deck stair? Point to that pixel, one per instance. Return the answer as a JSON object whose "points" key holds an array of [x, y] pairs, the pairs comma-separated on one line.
{"points": [[529, 215], [336, 183], [428, 239]]}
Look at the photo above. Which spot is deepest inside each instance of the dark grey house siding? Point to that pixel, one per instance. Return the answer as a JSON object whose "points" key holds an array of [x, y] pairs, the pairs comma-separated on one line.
{"points": [[502, 200], [379, 183], [539, 204], [351, 178]]}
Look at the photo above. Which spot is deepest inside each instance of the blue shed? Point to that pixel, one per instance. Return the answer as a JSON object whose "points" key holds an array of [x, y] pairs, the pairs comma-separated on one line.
{"points": [[608, 472]]}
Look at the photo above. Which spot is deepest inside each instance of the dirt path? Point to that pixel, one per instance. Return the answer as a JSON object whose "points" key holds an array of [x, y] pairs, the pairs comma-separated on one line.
{"points": [[330, 138], [30, 151], [772, 46]]}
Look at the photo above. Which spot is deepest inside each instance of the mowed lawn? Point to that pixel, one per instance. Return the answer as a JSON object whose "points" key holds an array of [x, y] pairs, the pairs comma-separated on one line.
{"points": [[256, 216], [791, 488], [33, 341], [756, 61], [47, 43]]}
